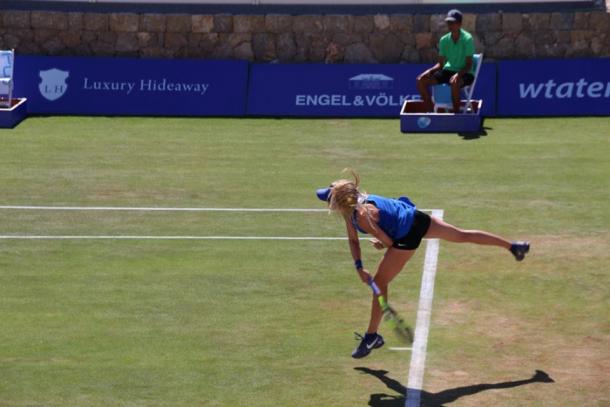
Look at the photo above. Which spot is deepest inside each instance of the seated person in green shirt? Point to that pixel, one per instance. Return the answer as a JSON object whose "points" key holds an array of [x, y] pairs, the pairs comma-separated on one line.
{"points": [[454, 65]]}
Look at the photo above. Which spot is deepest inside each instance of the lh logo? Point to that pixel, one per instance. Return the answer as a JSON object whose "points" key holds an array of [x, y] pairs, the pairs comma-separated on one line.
{"points": [[53, 83]]}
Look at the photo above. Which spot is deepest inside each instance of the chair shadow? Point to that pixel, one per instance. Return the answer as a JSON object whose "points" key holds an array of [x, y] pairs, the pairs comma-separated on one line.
{"points": [[475, 135], [429, 399]]}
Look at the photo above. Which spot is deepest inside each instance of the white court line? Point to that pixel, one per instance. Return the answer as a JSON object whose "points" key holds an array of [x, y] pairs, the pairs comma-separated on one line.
{"points": [[144, 237], [161, 209], [422, 325], [400, 348]]}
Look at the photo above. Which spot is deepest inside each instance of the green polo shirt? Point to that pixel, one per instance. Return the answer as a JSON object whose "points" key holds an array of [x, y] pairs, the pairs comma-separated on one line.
{"points": [[455, 53]]}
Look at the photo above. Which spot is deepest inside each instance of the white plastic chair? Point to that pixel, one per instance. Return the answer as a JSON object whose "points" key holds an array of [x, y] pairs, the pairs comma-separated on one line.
{"points": [[441, 94], [7, 59], [477, 61]]}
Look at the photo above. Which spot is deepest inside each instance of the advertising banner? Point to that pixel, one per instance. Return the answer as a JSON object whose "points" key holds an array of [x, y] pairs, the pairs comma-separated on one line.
{"points": [[367, 90], [126, 86], [566, 87]]}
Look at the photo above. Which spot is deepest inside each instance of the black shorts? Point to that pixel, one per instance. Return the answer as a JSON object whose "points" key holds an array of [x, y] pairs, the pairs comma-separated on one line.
{"points": [[420, 226], [444, 76]]}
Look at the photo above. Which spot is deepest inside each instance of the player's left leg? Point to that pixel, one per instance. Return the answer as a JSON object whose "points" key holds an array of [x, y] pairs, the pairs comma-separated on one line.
{"points": [[392, 263], [440, 229]]}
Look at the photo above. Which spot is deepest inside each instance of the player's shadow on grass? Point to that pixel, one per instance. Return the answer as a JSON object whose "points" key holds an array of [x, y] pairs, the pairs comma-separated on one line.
{"points": [[446, 396]]}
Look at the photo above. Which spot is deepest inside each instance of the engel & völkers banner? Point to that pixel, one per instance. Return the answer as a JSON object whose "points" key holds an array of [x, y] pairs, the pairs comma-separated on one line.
{"points": [[367, 90]]}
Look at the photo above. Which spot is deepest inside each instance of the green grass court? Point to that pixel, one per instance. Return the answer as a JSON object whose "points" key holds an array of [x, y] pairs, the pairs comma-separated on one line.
{"points": [[270, 323]]}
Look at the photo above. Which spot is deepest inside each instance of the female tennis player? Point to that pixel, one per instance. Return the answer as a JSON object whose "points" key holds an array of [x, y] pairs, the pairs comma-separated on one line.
{"points": [[397, 226]]}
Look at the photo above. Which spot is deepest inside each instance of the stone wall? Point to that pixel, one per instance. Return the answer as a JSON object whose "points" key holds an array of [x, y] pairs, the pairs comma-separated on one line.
{"points": [[303, 38]]}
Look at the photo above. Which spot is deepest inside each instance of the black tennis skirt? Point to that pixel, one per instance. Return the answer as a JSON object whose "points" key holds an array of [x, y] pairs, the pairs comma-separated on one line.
{"points": [[421, 224]]}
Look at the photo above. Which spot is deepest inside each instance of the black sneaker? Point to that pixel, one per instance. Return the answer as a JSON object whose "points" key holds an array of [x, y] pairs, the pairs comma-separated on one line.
{"points": [[367, 344], [519, 249]]}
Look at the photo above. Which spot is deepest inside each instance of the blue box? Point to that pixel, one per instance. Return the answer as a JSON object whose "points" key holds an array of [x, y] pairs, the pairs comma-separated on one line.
{"points": [[11, 116], [415, 119]]}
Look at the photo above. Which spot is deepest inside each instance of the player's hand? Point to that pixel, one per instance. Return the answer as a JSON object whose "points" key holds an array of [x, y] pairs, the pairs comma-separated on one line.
{"points": [[364, 276], [377, 244], [455, 79], [424, 74]]}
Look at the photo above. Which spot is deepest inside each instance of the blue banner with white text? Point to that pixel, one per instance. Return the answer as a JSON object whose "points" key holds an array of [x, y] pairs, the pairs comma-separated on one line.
{"points": [[567, 87], [128, 86], [368, 90]]}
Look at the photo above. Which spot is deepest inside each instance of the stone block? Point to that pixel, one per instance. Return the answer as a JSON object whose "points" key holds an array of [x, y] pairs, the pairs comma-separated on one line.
{"points": [[358, 53], [124, 22], [88, 36], [562, 36], [278, 23], [127, 42], [421, 23], [178, 23], [244, 52], [337, 23], [581, 20], [249, 24], [286, 47], [52, 46], [263, 47], [234, 39], [201, 23], [490, 38], [469, 22], [381, 22], [43, 34], [385, 47], [175, 41], [308, 23], [70, 39], [401, 23], [512, 22], [410, 54], [223, 23], [524, 46], [428, 55], [222, 51], [95, 22], [438, 24], [539, 21], [489, 22], [154, 52], [16, 19], [148, 39], [545, 37], [562, 21], [75, 21], [599, 21], [363, 24], [424, 40], [318, 47], [54, 20], [407, 39], [154, 23], [209, 41], [504, 49], [345, 39]]}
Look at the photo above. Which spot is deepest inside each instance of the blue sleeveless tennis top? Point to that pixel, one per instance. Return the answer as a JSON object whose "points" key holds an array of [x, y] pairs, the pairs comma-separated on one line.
{"points": [[395, 215]]}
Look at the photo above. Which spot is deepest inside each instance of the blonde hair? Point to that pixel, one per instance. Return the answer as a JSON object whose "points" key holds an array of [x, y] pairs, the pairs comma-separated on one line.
{"points": [[346, 196]]}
